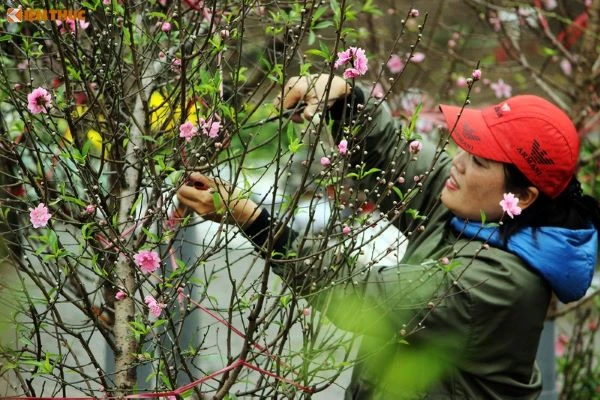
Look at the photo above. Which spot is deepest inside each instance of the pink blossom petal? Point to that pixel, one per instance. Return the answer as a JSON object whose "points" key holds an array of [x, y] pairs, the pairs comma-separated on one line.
{"points": [[325, 161], [566, 67], [417, 57], [351, 73]]}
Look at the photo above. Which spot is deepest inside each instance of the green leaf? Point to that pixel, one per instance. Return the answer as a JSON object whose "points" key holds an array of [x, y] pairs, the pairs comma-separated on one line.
{"points": [[548, 52], [323, 25], [75, 200], [398, 193], [482, 216], [371, 171], [218, 204], [317, 52], [152, 236]]}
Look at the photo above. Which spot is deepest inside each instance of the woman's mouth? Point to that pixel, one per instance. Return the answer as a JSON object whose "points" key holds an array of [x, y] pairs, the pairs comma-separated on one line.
{"points": [[451, 184]]}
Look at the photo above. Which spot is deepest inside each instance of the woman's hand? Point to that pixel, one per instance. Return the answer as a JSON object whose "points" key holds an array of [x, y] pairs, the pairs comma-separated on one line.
{"points": [[210, 199], [311, 90]]}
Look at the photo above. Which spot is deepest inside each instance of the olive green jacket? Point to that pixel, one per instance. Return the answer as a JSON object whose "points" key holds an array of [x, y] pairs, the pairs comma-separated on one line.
{"points": [[464, 330]]}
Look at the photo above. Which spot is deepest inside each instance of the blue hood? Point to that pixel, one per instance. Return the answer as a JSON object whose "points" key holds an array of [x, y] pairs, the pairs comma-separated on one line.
{"points": [[566, 258]]}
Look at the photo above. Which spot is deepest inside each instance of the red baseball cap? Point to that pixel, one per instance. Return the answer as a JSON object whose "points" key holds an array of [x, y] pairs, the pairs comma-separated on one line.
{"points": [[527, 131]]}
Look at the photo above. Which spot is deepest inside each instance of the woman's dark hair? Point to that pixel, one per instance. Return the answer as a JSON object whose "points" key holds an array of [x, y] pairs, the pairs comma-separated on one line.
{"points": [[571, 209]]}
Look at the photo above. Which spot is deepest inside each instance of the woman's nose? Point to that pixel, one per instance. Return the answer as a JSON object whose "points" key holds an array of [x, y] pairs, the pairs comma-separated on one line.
{"points": [[459, 160]]}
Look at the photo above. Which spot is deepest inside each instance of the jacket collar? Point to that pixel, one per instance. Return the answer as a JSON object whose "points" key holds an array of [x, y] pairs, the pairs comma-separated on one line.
{"points": [[566, 258]]}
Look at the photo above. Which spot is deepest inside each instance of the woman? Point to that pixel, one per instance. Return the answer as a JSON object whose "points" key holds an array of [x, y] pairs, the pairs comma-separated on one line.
{"points": [[465, 308]]}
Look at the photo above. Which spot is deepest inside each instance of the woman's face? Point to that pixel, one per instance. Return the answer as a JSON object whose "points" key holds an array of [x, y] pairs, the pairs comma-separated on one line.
{"points": [[474, 184]]}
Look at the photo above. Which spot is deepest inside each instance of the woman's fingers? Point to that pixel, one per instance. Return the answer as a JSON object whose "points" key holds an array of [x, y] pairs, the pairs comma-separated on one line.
{"points": [[199, 181], [198, 200]]}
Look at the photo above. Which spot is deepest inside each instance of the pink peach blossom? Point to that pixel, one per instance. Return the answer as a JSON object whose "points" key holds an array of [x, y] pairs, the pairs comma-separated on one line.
{"points": [[395, 64], [501, 89], [476, 75], [325, 161], [120, 295], [187, 131], [39, 216], [39, 101], [510, 205], [147, 260], [343, 146], [154, 306], [211, 129], [415, 146], [166, 26], [356, 57], [346, 230]]}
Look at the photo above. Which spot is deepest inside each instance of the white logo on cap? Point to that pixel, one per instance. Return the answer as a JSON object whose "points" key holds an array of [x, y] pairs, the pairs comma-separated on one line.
{"points": [[505, 107]]}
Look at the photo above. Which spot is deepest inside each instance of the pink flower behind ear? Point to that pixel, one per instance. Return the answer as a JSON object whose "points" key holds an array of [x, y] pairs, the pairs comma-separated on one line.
{"points": [[147, 260], [39, 101], [39, 216], [510, 205]]}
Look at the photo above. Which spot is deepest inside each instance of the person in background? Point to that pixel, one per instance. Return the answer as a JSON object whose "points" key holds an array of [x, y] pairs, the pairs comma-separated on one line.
{"points": [[470, 296]]}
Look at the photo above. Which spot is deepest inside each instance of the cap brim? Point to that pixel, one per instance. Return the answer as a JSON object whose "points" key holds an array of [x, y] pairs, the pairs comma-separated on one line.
{"points": [[470, 131]]}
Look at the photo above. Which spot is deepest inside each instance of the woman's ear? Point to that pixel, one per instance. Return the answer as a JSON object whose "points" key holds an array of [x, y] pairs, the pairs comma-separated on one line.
{"points": [[528, 196]]}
